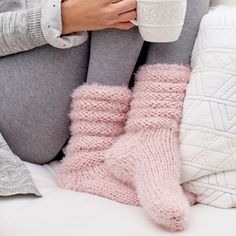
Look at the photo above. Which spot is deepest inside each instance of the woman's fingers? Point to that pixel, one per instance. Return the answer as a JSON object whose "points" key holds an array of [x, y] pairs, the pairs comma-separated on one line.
{"points": [[89, 15], [128, 16], [123, 26], [125, 6], [114, 1]]}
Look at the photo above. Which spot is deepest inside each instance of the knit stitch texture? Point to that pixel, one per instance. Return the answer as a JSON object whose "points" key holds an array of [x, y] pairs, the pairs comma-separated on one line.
{"points": [[98, 116], [147, 155]]}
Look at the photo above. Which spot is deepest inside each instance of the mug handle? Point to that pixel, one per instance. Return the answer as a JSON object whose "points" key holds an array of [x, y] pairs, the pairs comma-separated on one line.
{"points": [[135, 22]]}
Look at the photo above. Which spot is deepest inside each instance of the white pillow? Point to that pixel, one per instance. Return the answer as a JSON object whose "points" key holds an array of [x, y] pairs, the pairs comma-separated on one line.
{"points": [[208, 129]]}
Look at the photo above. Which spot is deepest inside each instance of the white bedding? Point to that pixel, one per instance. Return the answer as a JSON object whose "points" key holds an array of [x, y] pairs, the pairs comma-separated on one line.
{"points": [[65, 213], [208, 129]]}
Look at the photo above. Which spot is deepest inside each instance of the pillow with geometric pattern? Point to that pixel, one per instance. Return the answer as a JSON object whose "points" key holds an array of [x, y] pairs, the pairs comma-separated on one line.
{"points": [[208, 128]]}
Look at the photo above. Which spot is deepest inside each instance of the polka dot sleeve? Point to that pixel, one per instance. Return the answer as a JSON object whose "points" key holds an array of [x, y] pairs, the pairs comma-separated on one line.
{"points": [[52, 27]]}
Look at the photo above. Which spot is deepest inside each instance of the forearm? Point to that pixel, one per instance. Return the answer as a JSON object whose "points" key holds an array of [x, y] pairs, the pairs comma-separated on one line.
{"points": [[20, 31]]}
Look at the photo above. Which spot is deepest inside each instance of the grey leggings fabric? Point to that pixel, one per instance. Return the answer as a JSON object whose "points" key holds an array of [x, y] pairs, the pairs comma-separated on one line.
{"points": [[113, 56], [35, 86]]}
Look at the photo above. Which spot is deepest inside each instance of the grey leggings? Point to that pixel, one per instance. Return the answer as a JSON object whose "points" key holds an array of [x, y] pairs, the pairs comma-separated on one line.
{"points": [[35, 86]]}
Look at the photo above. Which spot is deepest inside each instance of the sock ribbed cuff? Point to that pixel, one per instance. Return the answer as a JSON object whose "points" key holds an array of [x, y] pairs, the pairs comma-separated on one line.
{"points": [[99, 110], [163, 89], [102, 92]]}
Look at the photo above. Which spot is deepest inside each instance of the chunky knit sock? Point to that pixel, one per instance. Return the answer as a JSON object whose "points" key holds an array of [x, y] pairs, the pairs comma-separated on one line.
{"points": [[147, 155], [122, 166], [97, 117]]}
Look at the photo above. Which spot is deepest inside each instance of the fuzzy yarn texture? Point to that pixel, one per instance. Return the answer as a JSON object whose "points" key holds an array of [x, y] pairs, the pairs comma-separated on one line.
{"points": [[147, 155], [98, 116]]}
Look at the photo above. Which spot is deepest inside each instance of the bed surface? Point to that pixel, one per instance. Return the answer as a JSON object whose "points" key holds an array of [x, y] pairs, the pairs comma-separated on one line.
{"points": [[62, 212]]}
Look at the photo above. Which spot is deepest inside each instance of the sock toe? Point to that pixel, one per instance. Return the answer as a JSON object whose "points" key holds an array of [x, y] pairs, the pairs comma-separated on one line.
{"points": [[170, 212]]}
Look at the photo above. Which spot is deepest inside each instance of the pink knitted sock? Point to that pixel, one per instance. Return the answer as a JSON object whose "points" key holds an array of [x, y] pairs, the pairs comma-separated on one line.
{"points": [[98, 116], [147, 155]]}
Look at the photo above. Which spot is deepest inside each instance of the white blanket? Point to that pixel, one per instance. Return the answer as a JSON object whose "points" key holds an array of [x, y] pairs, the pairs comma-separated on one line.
{"points": [[208, 129]]}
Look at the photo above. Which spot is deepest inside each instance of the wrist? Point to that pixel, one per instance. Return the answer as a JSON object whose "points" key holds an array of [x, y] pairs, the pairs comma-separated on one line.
{"points": [[66, 17]]}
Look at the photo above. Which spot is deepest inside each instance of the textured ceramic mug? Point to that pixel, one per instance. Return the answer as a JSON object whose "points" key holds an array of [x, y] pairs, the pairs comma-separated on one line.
{"points": [[160, 20]]}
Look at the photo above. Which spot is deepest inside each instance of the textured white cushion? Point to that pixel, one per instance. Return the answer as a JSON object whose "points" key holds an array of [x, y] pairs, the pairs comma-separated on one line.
{"points": [[14, 177], [208, 129], [65, 213]]}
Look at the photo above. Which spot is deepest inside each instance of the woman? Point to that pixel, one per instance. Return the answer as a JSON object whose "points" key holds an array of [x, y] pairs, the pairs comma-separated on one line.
{"points": [[35, 101]]}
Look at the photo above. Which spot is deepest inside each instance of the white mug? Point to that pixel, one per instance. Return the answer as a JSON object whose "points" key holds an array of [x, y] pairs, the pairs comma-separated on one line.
{"points": [[160, 20]]}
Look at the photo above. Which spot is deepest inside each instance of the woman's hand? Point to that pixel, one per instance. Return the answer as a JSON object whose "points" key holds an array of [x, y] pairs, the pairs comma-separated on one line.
{"points": [[88, 15]]}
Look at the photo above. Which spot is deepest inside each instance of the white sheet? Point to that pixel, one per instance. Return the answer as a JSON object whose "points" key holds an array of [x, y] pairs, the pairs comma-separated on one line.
{"points": [[65, 213]]}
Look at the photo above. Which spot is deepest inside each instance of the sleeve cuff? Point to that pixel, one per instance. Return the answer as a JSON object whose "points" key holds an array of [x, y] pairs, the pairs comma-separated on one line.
{"points": [[34, 27], [51, 25]]}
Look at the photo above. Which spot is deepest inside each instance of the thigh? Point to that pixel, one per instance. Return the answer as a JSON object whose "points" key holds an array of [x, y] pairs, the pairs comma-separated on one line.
{"points": [[35, 90]]}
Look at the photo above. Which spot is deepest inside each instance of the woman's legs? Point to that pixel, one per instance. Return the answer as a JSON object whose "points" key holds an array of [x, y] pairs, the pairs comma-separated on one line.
{"points": [[113, 56], [35, 89], [98, 115]]}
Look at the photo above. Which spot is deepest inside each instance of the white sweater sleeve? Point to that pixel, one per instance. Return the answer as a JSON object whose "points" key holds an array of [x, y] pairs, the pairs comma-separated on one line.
{"points": [[20, 31], [24, 30]]}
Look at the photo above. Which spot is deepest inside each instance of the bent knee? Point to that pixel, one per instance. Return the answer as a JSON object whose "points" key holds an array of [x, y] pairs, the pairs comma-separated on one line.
{"points": [[39, 148], [38, 153], [38, 156]]}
